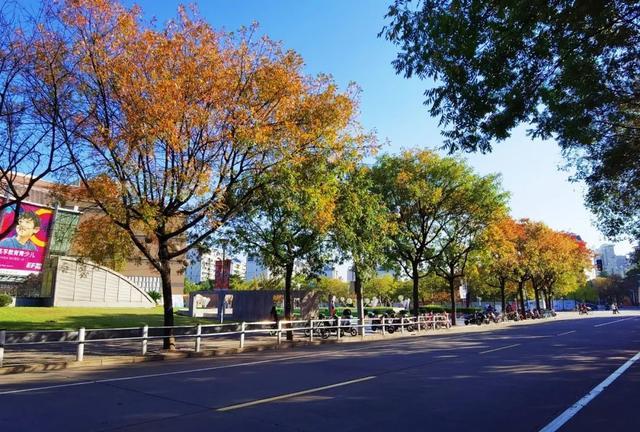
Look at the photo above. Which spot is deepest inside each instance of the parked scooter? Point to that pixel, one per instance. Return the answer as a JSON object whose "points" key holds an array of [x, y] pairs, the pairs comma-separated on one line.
{"points": [[478, 318]]}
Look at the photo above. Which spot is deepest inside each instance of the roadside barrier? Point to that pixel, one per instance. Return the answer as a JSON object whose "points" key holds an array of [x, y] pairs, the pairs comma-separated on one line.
{"points": [[307, 329]]}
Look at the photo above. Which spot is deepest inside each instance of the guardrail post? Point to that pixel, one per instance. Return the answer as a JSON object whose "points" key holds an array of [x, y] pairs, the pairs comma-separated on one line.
{"points": [[198, 338], [418, 323], [279, 332], [384, 330], [311, 330], [3, 340], [80, 354], [242, 329], [145, 335], [338, 329], [402, 325]]}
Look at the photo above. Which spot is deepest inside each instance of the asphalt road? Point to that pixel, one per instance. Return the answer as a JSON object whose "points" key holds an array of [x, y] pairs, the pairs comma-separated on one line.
{"points": [[517, 378]]}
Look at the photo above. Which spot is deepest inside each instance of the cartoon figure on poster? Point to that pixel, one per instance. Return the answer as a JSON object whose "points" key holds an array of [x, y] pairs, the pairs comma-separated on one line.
{"points": [[23, 250]]}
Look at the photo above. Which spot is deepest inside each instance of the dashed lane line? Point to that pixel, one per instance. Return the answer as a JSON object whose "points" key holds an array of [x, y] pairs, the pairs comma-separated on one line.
{"points": [[613, 322], [292, 395], [499, 349]]}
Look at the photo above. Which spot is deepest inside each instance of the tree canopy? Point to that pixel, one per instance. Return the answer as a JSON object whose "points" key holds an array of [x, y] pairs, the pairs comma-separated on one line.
{"points": [[568, 69]]}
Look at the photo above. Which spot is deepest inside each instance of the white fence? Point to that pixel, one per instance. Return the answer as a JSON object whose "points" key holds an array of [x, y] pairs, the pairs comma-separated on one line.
{"points": [[313, 329]]}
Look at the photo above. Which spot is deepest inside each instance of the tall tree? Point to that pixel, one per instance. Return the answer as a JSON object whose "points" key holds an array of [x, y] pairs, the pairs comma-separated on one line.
{"points": [[290, 221], [425, 193], [361, 228], [480, 202], [176, 129], [567, 68], [500, 256]]}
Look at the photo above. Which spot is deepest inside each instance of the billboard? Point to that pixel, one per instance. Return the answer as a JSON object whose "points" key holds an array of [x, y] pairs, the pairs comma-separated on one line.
{"points": [[23, 250]]}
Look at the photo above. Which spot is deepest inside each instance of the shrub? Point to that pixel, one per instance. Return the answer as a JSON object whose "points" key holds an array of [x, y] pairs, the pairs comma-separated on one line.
{"points": [[155, 295], [5, 300]]}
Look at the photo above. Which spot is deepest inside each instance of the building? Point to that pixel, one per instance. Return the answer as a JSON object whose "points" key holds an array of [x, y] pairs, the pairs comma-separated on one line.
{"points": [[255, 268], [608, 262], [379, 273], [137, 269], [202, 267]]}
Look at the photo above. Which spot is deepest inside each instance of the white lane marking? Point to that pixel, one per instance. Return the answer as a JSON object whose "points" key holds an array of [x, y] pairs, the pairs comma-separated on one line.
{"points": [[182, 372], [135, 377], [499, 349], [612, 322], [573, 410], [291, 395], [566, 333]]}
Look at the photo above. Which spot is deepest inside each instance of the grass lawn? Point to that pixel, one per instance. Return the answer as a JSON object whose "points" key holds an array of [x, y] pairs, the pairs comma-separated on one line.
{"points": [[50, 318]]}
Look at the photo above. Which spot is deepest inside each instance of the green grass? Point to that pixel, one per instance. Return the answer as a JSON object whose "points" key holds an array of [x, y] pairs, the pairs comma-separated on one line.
{"points": [[49, 318]]}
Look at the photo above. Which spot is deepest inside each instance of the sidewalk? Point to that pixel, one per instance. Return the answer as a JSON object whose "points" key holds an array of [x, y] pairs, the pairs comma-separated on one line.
{"points": [[39, 358]]}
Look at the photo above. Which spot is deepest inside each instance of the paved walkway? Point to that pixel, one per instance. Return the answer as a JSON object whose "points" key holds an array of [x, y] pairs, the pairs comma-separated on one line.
{"points": [[54, 356]]}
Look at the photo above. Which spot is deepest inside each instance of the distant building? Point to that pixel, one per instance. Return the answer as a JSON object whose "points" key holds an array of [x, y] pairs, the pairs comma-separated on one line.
{"points": [[606, 261], [255, 268], [203, 267], [330, 271], [351, 277]]}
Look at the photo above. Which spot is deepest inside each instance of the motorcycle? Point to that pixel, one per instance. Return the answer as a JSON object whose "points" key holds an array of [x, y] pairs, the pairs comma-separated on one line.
{"points": [[475, 318], [376, 324]]}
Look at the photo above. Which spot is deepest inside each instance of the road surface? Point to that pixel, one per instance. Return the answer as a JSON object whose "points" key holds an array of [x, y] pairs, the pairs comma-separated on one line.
{"points": [[517, 378]]}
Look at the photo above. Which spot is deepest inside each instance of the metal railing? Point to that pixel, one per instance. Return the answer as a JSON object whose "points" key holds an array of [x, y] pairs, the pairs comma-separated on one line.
{"points": [[311, 329]]}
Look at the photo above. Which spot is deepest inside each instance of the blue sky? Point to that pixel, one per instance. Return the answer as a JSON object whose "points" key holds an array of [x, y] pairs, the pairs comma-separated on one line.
{"points": [[339, 37]]}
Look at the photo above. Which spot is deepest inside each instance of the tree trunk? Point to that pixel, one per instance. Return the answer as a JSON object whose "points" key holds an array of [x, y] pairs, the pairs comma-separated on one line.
{"points": [[536, 291], [415, 277], [452, 292], [357, 284], [288, 299], [521, 292], [503, 285], [169, 342]]}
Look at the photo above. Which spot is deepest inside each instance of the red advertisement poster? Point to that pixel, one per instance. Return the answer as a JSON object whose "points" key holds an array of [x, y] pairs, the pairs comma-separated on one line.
{"points": [[23, 250], [222, 274]]}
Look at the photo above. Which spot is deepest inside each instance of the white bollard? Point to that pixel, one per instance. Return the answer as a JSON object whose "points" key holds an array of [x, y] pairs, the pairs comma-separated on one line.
{"points": [[198, 337], [3, 340], [402, 325], [311, 330], [338, 329], [242, 329], [145, 335], [80, 354], [384, 331]]}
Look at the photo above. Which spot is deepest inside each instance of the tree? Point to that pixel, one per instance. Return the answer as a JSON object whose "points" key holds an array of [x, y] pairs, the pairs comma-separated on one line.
{"points": [[500, 257], [174, 130], [103, 242], [568, 69], [562, 260], [480, 202], [32, 94], [425, 193], [290, 221], [360, 228], [384, 287]]}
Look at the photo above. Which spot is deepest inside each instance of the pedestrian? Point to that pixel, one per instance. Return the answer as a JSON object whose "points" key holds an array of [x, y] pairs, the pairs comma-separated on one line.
{"points": [[274, 315]]}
